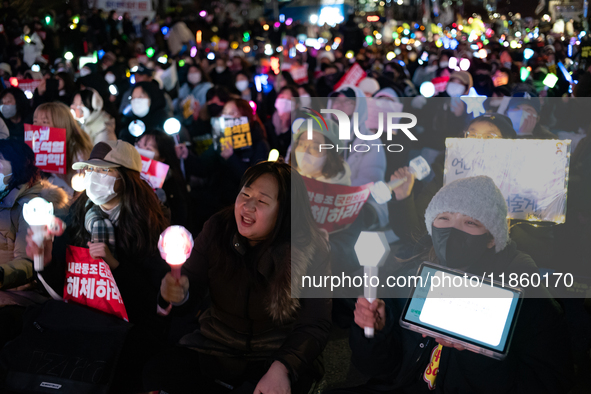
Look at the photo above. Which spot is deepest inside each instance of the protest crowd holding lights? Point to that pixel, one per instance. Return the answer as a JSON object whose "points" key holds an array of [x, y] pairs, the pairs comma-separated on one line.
{"points": [[433, 157]]}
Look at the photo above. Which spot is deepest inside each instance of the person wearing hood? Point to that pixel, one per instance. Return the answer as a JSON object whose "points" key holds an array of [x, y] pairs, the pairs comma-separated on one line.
{"points": [[148, 111], [20, 182], [369, 86], [330, 76], [15, 111], [365, 166], [221, 75], [87, 109], [467, 230]]}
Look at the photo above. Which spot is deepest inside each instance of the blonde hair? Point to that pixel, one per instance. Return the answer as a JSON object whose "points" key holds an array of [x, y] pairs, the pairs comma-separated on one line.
{"points": [[78, 143]]}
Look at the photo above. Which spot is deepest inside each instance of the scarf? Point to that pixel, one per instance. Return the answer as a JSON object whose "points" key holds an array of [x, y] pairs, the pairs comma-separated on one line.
{"points": [[98, 224]]}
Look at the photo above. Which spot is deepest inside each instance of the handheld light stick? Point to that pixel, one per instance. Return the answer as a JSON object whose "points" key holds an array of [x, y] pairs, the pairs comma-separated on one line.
{"points": [[372, 250], [382, 191], [172, 127], [175, 245], [38, 213]]}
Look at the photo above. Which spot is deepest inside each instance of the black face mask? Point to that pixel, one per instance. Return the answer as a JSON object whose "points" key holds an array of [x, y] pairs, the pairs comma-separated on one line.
{"points": [[214, 109], [331, 79], [457, 249]]}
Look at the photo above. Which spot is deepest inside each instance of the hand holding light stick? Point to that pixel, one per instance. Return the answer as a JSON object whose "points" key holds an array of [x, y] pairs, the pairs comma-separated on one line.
{"points": [[38, 213], [175, 245], [382, 191], [372, 250], [172, 127]]}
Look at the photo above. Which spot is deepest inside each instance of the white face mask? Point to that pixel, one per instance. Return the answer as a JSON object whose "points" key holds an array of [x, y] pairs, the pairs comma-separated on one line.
{"points": [[517, 119], [443, 64], [283, 106], [98, 189], [242, 85], [220, 69], [140, 107], [85, 114], [2, 184], [305, 100], [85, 71], [194, 78], [308, 164], [8, 111], [455, 89], [110, 78]]}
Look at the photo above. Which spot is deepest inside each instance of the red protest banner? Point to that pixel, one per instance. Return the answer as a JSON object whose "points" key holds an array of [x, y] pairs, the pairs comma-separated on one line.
{"points": [[352, 77], [90, 282], [335, 206], [49, 145], [154, 172]]}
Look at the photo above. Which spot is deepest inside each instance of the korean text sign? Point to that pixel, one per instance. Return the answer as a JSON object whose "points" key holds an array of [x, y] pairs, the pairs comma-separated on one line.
{"points": [[49, 145], [335, 206], [352, 77], [154, 172], [531, 174], [90, 282], [236, 133]]}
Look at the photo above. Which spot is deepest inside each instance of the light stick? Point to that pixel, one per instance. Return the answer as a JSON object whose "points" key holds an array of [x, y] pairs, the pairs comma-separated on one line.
{"points": [[372, 250], [38, 213], [382, 191], [175, 245]]}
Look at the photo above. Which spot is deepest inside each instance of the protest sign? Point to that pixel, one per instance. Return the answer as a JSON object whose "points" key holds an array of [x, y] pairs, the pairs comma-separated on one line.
{"points": [[352, 77], [49, 145], [531, 174], [335, 207], [232, 132], [90, 282], [154, 172], [299, 74], [29, 85]]}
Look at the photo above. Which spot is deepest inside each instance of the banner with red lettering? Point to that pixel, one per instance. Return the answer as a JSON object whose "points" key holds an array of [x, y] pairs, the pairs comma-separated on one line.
{"points": [[154, 172], [49, 145], [352, 77], [29, 85], [90, 282], [335, 207], [299, 74]]}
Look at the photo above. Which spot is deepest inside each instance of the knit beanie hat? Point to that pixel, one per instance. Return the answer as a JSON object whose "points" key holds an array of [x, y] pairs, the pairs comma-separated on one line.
{"points": [[501, 121], [331, 134], [477, 197]]}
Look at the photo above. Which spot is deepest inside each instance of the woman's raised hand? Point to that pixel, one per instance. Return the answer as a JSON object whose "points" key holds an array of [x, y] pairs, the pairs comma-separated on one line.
{"points": [[174, 290]]}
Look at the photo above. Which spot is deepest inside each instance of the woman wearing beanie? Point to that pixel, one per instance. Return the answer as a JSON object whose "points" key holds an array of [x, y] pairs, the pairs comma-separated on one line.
{"points": [[466, 222], [119, 219], [407, 207]]}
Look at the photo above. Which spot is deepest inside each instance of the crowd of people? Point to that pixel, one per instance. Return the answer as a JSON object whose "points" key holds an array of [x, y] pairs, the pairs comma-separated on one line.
{"points": [[233, 321]]}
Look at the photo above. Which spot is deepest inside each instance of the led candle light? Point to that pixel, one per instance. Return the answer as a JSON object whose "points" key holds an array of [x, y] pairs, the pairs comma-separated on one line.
{"points": [[38, 213], [175, 245], [372, 250], [382, 191]]}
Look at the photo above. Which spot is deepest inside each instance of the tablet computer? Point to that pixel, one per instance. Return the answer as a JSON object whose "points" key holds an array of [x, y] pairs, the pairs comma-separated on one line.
{"points": [[450, 304]]}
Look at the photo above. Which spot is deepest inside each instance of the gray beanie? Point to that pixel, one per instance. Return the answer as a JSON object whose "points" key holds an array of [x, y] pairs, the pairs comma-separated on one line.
{"points": [[477, 197]]}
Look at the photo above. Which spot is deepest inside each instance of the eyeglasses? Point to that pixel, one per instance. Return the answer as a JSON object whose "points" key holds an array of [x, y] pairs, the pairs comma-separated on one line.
{"points": [[102, 172], [467, 134]]}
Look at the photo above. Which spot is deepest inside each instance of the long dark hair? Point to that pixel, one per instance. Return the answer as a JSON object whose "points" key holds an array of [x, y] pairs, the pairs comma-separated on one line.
{"points": [[295, 223], [333, 166], [141, 220], [23, 106], [22, 160], [246, 110]]}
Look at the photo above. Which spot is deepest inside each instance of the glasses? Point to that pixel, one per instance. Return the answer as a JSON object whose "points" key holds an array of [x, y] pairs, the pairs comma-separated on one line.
{"points": [[467, 134], [102, 172]]}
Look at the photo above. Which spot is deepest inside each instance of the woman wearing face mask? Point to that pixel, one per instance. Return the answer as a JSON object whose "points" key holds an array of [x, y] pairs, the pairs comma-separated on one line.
{"points": [[243, 86], [254, 336], [20, 182], [159, 146], [221, 75], [15, 111], [119, 219], [325, 166], [78, 143], [524, 110], [196, 87], [87, 109], [279, 126], [468, 231], [306, 93], [148, 109]]}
